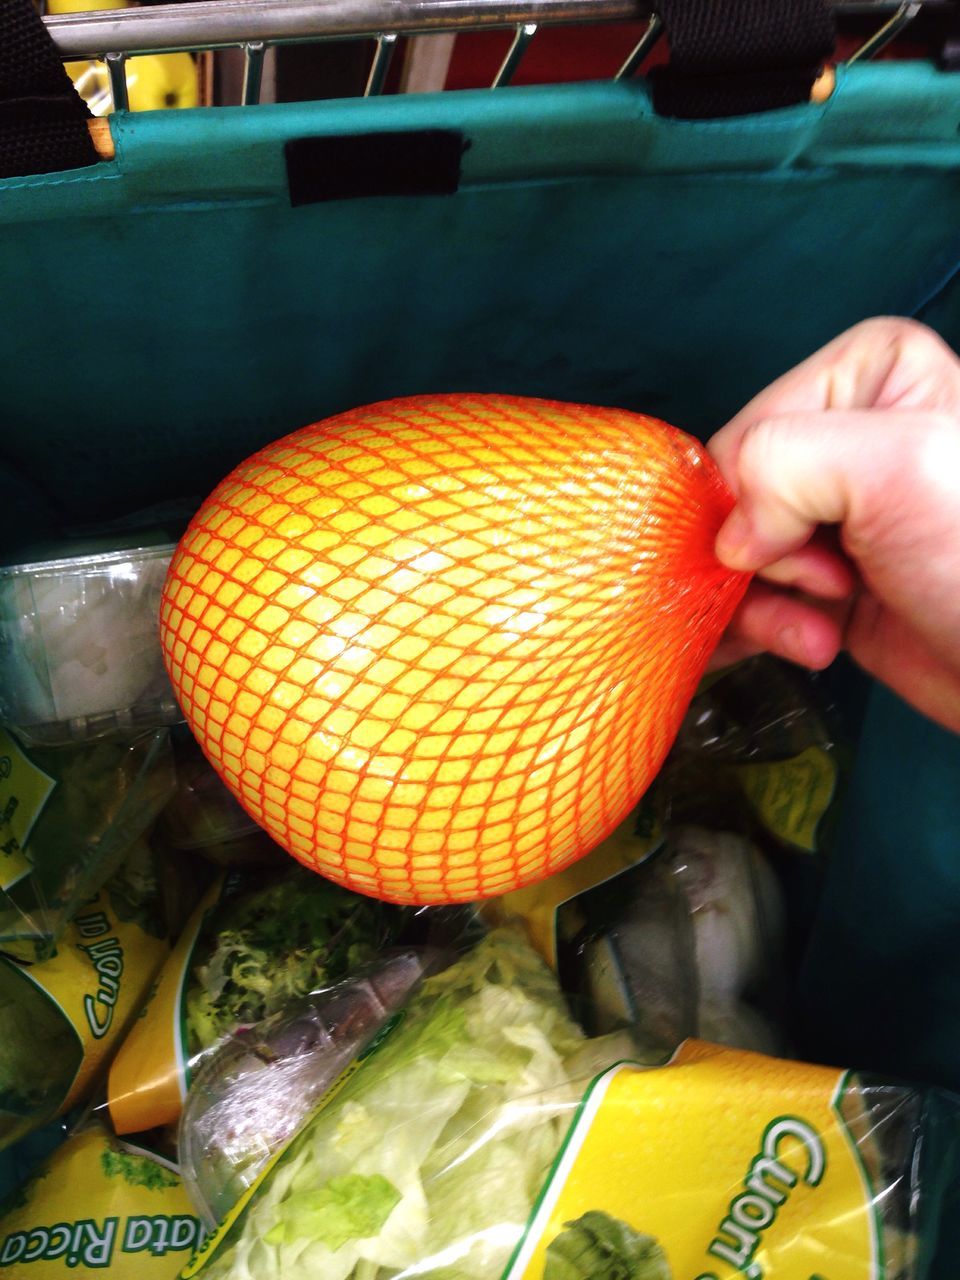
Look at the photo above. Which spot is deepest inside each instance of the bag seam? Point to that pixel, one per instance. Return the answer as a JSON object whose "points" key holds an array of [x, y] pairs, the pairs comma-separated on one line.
{"points": [[34, 184]]}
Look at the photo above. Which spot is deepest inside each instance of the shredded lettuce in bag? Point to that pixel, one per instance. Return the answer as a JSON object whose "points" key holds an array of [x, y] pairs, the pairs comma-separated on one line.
{"points": [[257, 942], [429, 1160], [272, 945]]}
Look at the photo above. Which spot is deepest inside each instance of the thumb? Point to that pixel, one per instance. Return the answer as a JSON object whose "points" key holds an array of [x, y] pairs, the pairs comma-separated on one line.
{"points": [[796, 471]]}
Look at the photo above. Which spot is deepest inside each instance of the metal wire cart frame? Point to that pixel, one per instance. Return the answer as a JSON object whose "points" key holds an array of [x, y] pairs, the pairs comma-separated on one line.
{"points": [[256, 26]]}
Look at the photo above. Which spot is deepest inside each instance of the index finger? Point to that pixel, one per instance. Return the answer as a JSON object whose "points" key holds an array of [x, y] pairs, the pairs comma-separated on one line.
{"points": [[887, 362]]}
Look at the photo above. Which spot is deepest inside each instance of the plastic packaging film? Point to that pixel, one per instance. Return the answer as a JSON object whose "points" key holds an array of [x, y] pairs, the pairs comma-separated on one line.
{"points": [[438, 647], [771, 743], [203, 814], [259, 940], [69, 816], [689, 944], [253, 1095], [61, 1019]]}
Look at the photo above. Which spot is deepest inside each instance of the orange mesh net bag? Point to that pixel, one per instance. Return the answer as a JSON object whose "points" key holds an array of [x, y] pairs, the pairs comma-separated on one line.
{"points": [[438, 647]]}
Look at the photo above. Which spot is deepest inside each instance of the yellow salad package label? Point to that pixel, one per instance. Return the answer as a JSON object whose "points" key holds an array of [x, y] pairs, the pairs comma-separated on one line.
{"points": [[149, 1076], [790, 797], [722, 1165], [24, 790], [98, 980], [99, 1207]]}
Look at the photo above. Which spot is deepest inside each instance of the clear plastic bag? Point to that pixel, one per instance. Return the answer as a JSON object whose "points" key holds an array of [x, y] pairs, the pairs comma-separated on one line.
{"points": [[688, 943], [258, 940], [203, 816], [764, 747], [69, 815], [253, 1094], [452, 1122]]}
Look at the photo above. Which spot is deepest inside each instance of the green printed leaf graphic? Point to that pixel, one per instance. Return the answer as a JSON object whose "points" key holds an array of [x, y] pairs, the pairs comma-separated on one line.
{"points": [[599, 1247]]}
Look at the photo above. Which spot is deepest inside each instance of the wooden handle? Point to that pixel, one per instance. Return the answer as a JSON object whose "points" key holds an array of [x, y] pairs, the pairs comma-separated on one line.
{"points": [[824, 84], [102, 138]]}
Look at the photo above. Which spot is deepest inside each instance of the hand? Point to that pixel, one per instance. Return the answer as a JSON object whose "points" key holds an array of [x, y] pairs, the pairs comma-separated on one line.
{"points": [[847, 477]]}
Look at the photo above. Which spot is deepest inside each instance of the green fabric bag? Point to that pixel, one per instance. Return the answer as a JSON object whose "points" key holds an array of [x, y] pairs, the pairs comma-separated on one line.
{"points": [[168, 312]]}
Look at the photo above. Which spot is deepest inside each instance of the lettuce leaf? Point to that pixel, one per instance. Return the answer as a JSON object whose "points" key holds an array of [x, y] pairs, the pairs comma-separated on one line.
{"points": [[346, 1208]]}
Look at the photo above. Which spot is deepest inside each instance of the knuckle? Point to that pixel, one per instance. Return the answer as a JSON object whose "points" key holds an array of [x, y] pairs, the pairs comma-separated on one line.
{"points": [[913, 339], [774, 448], [893, 329]]}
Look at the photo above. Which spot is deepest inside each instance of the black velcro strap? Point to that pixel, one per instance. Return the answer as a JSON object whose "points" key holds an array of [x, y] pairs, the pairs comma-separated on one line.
{"points": [[43, 120], [419, 162], [738, 57]]}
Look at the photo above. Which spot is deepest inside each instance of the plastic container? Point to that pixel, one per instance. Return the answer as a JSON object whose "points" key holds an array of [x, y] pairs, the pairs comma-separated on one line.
{"points": [[79, 651]]}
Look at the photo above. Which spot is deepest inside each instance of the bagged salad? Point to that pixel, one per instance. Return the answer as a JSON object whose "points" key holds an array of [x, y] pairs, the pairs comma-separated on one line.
{"points": [[251, 1096], [98, 1206], [437, 1145], [259, 939], [62, 1018], [69, 815], [485, 1137]]}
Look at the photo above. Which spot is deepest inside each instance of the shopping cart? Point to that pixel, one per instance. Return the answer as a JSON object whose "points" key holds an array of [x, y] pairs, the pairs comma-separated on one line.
{"points": [[257, 26]]}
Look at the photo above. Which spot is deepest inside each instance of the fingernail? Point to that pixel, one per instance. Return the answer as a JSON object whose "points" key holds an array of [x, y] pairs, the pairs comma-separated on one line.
{"points": [[733, 541]]}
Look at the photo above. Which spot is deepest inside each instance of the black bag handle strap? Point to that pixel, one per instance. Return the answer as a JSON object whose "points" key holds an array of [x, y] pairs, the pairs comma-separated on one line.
{"points": [[43, 120], [738, 57]]}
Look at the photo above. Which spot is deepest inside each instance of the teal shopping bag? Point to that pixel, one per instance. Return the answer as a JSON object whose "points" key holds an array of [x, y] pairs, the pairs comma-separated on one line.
{"points": [[223, 281]]}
